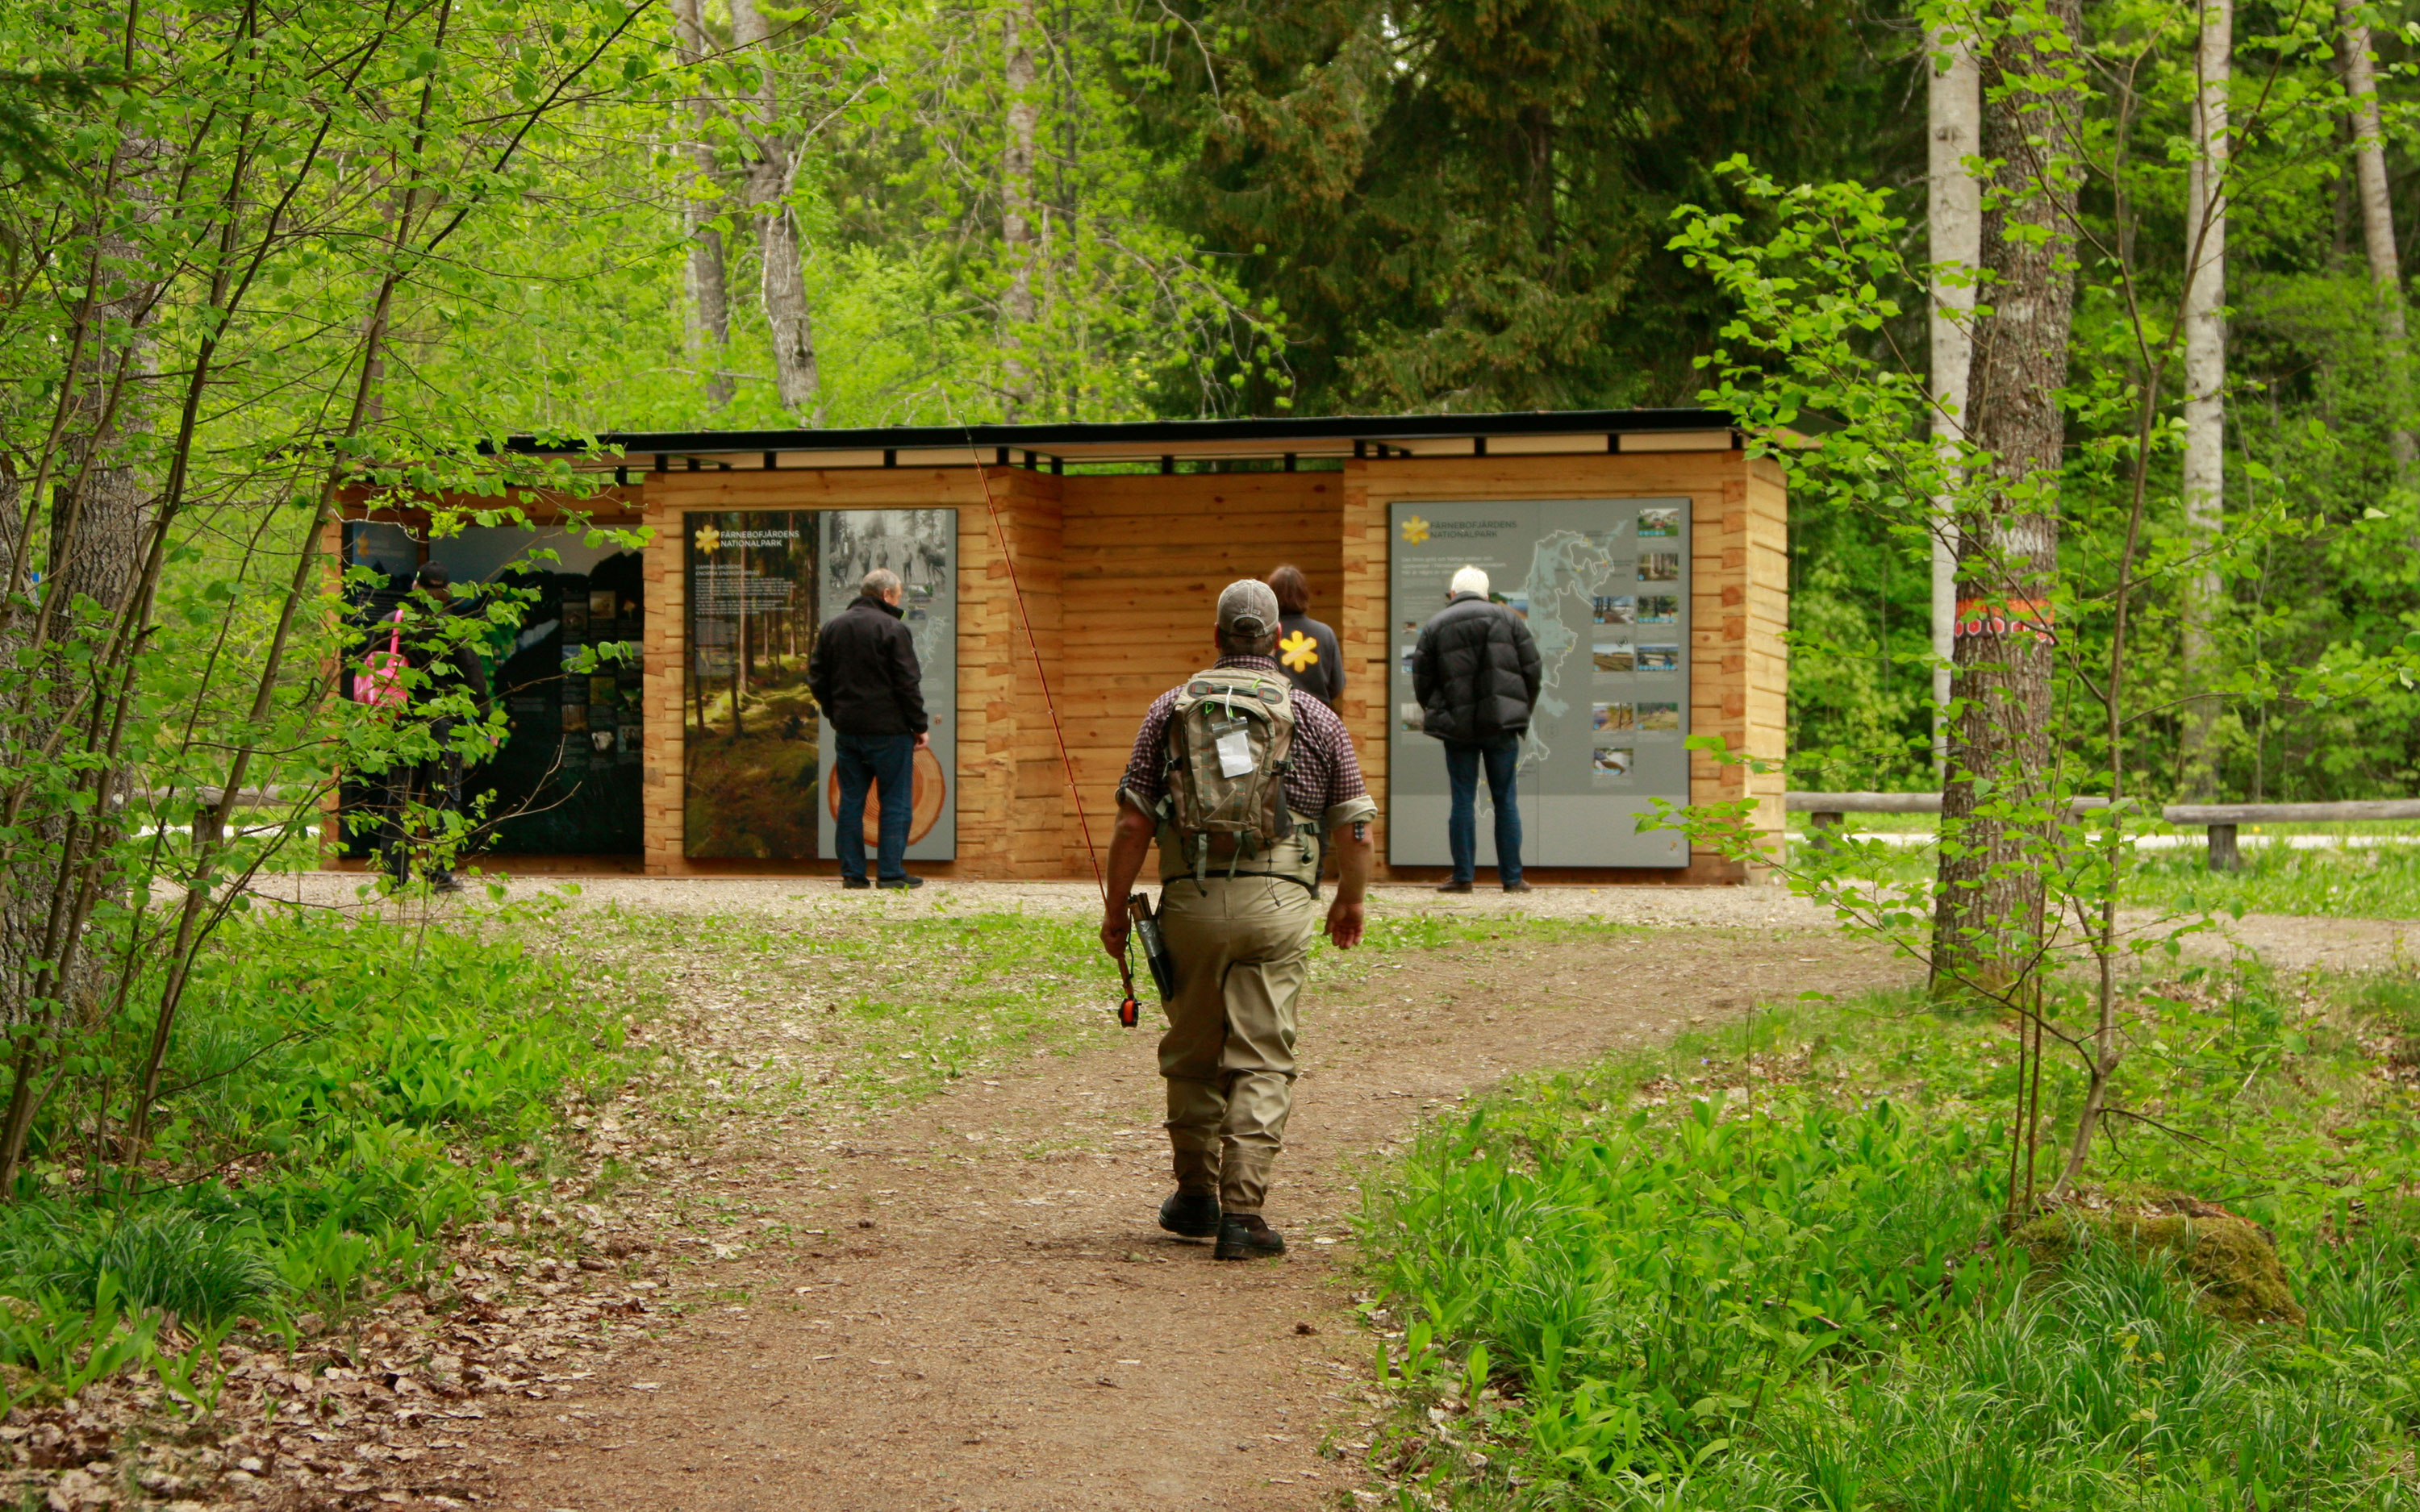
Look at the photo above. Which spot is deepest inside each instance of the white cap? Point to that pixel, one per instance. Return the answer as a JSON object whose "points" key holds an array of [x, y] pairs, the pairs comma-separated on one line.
{"points": [[1470, 580]]}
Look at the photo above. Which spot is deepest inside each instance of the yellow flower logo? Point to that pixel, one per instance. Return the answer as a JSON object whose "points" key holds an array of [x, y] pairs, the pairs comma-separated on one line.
{"points": [[1300, 651], [708, 538], [1415, 530]]}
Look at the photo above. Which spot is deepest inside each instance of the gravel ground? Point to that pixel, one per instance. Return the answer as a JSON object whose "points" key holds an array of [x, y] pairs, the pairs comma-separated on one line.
{"points": [[1769, 907], [2294, 942]]}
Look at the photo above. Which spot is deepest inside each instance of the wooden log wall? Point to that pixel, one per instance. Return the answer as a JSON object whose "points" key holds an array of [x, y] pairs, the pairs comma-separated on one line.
{"points": [[1146, 556]]}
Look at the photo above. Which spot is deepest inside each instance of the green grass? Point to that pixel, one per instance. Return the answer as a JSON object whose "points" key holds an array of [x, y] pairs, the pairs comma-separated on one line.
{"points": [[1762, 1270], [2369, 881], [339, 1094], [893, 1010]]}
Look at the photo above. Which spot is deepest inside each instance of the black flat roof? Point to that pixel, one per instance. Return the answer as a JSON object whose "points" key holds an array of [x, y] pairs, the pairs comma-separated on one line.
{"points": [[1144, 437]]}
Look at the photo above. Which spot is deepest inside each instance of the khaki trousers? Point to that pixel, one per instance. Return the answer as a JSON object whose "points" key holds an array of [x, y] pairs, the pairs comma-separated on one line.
{"points": [[1242, 949]]}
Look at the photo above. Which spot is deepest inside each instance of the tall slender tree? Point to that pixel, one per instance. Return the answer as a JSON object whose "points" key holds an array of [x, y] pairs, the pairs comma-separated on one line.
{"points": [[2205, 409], [708, 309], [774, 155], [1954, 218], [2377, 226], [1019, 31], [1988, 904]]}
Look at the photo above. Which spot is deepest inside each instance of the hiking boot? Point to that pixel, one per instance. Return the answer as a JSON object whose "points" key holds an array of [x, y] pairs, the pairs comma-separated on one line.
{"points": [[1453, 887], [1193, 1215], [1519, 886], [1243, 1236], [855, 882], [901, 882]]}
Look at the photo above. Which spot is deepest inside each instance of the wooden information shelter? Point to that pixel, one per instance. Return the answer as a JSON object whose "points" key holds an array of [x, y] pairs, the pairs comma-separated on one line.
{"points": [[1098, 549]]}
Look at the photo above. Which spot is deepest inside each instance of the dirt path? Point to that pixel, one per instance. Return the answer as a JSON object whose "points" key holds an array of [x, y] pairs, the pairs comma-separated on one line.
{"points": [[975, 1309]]}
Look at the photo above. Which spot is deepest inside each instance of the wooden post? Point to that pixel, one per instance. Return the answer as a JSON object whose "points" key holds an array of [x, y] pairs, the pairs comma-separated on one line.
{"points": [[2223, 855], [1820, 826]]}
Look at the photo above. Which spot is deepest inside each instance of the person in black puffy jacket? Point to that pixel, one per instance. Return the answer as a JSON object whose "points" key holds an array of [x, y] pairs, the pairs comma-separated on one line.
{"points": [[865, 678], [1476, 671]]}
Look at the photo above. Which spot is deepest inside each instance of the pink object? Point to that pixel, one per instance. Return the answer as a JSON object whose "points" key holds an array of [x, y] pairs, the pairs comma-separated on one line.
{"points": [[380, 683]]}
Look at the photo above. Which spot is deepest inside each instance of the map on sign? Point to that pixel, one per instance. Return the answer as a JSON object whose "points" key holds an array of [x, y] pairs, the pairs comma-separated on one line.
{"points": [[1603, 587]]}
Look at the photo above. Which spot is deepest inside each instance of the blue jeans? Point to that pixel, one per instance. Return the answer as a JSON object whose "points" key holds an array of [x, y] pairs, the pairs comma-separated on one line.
{"points": [[1503, 756], [889, 762]]}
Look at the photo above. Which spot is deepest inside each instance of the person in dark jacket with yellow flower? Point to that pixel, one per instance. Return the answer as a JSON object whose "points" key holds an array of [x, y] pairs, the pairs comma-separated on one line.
{"points": [[1306, 650], [1476, 671]]}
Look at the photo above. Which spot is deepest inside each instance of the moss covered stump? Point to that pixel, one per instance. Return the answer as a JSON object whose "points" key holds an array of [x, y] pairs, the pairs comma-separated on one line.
{"points": [[2231, 1262]]}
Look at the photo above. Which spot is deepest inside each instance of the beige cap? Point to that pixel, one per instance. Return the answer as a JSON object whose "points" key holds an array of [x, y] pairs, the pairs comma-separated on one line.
{"points": [[1248, 609]]}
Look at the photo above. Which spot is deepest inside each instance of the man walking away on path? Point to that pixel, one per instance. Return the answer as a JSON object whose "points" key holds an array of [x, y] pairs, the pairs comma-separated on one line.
{"points": [[1306, 650], [865, 678], [1475, 671], [1237, 777], [447, 663]]}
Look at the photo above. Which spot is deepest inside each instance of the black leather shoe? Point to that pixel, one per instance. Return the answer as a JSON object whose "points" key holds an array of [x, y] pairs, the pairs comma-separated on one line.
{"points": [[1244, 1237], [901, 882], [1453, 887], [1193, 1215], [855, 882]]}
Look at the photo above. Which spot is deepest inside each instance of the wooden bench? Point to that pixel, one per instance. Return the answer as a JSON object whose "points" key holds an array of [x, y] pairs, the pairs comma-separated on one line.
{"points": [[2222, 818], [1825, 810]]}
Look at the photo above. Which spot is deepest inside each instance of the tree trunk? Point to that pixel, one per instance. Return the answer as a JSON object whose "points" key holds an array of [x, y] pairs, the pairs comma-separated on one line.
{"points": [[92, 529], [1955, 215], [2208, 184], [781, 275], [1016, 230], [708, 323], [1989, 913], [780, 259], [2378, 231]]}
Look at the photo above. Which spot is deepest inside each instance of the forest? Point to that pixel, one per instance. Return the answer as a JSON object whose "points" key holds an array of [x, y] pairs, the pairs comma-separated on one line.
{"points": [[2073, 1174]]}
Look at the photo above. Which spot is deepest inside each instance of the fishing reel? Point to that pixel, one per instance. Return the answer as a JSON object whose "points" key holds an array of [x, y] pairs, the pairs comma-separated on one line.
{"points": [[1144, 930]]}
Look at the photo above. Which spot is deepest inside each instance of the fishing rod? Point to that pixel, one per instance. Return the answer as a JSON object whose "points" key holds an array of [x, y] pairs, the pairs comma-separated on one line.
{"points": [[1144, 924]]}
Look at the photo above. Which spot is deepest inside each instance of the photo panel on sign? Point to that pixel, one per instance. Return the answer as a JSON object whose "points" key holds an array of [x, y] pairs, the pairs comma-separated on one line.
{"points": [[1603, 766], [920, 545], [748, 720], [1430, 543]]}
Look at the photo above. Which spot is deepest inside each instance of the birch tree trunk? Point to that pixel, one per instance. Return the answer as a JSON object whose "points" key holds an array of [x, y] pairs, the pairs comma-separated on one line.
{"points": [[782, 282], [709, 322], [2378, 229], [2205, 460], [1016, 230], [1989, 911], [1954, 106]]}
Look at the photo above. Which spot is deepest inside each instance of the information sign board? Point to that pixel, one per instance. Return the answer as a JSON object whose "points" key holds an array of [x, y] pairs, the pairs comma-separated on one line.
{"points": [[758, 779], [1602, 585]]}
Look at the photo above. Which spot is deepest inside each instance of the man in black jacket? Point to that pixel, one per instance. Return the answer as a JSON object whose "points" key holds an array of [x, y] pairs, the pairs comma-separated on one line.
{"points": [[866, 680], [1476, 673]]}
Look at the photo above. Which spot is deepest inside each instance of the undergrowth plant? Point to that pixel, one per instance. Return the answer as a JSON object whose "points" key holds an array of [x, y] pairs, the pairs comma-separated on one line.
{"points": [[1763, 1268], [343, 1093]]}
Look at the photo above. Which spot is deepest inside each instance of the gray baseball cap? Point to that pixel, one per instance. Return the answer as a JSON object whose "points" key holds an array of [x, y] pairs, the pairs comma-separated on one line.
{"points": [[1247, 611]]}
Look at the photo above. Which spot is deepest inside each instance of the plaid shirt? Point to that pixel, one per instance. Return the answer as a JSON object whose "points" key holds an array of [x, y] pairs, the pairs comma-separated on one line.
{"points": [[1322, 783]]}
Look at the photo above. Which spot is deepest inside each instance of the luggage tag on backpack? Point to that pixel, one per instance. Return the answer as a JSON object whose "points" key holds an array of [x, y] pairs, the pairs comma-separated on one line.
{"points": [[1235, 738]]}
